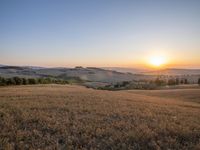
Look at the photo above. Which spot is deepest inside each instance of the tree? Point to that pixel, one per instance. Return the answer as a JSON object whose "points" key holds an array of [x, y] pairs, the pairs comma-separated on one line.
{"points": [[18, 81], [48, 80], [10, 81], [177, 81], [124, 83], [199, 81], [159, 82], [24, 81], [117, 85], [32, 81], [2, 81], [181, 82], [41, 81], [171, 82], [185, 81]]}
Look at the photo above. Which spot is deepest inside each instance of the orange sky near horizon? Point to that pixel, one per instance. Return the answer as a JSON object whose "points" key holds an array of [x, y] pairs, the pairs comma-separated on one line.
{"points": [[142, 62]]}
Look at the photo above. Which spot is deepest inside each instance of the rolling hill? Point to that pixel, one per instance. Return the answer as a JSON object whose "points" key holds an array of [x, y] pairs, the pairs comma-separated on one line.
{"points": [[88, 74], [97, 75], [174, 71]]}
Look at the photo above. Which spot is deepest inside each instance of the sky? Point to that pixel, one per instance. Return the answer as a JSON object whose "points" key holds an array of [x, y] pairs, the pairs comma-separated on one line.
{"points": [[100, 33]]}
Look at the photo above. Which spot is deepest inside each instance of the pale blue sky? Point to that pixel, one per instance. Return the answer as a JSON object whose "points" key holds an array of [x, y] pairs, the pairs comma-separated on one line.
{"points": [[98, 32]]}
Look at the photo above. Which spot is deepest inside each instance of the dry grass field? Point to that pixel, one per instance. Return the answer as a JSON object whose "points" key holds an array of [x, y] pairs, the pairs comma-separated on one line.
{"points": [[74, 117]]}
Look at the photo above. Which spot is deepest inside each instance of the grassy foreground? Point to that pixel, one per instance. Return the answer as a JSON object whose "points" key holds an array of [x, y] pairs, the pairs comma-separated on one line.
{"points": [[74, 117]]}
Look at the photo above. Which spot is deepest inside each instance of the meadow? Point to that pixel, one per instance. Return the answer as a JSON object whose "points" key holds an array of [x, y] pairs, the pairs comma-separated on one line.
{"points": [[75, 117]]}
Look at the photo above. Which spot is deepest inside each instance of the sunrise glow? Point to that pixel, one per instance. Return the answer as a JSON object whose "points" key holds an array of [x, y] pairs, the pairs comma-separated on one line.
{"points": [[157, 61]]}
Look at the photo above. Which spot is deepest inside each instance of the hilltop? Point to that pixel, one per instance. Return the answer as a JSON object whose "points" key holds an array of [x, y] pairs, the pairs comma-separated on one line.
{"points": [[100, 77], [174, 71]]}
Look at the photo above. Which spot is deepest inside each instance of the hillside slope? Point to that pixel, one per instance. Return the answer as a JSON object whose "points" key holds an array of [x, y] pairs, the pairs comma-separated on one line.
{"points": [[174, 71], [87, 74], [93, 74]]}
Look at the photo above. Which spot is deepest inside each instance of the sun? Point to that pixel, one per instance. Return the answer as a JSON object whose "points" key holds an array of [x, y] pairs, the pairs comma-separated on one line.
{"points": [[157, 61]]}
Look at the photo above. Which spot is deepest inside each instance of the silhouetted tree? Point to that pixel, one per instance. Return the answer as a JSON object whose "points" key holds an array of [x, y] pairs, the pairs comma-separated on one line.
{"points": [[18, 81], [199, 81], [24, 81], [159, 82], [10, 81], [41, 81], [117, 85], [181, 82], [48, 80], [185, 81], [2, 81], [177, 81], [32, 81], [171, 82], [124, 83]]}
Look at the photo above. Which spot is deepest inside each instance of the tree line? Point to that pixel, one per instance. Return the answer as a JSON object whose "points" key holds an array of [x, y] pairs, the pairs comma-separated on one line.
{"points": [[146, 84], [171, 81], [31, 81]]}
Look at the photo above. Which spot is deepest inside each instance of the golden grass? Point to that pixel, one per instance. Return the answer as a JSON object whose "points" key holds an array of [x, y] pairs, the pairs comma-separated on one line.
{"points": [[73, 117]]}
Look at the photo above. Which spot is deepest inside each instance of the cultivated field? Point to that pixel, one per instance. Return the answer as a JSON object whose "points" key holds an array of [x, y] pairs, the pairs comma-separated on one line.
{"points": [[74, 117]]}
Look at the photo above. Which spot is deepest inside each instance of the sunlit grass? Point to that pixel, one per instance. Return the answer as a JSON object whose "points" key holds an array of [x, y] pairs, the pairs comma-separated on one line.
{"points": [[73, 117]]}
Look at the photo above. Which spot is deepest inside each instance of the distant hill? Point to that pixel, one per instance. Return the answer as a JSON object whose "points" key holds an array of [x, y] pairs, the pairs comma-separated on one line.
{"points": [[97, 75], [35, 67], [174, 71], [87, 74], [168, 71], [126, 70]]}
